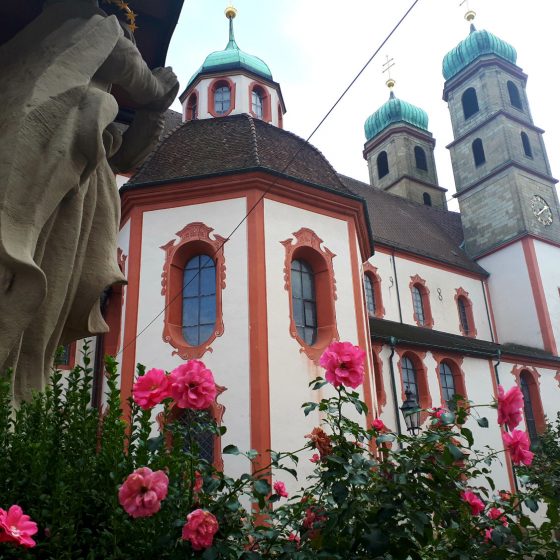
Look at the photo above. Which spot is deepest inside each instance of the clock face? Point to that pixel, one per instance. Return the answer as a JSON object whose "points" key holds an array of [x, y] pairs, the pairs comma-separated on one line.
{"points": [[541, 210]]}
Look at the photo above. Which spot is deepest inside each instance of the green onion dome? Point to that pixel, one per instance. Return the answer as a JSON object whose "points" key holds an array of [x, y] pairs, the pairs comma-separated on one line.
{"points": [[393, 111], [478, 43], [232, 58]]}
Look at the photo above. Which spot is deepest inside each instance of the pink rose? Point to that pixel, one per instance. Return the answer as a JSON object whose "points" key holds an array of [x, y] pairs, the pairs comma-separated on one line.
{"points": [[475, 503], [295, 538], [517, 443], [344, 363], [487, 535], [496, 513], [16, 527], [151, 389], [509, 406], [192, 385], [280, 489], [198, 482], [200, 528], [378, 425], [315, 458], [141, 493]]}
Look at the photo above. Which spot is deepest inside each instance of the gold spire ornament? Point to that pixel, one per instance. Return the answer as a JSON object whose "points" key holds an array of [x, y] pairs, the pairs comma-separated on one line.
{"points": [[387, 65], [469, 14], [230, 12]]}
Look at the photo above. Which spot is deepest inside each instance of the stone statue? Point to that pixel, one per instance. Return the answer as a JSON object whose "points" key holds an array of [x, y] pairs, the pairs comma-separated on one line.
{"points": [[59, 151]]}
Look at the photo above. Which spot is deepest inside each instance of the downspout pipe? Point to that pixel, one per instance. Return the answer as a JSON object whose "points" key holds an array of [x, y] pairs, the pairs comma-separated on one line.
{"points": [[392, 343]]}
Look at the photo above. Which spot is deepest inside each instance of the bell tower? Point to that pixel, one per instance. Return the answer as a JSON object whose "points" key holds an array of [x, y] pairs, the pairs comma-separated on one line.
{"points": [[504, 183]]}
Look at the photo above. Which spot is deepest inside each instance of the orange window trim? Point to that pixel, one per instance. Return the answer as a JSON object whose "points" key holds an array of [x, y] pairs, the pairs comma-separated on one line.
{"points": [[216, 411], [371, 271], [534, 384], [417, 358], [378, 376], [420, 283], [214, 85], [267, 113], [455, 362], [194, 239], [189, 107], [307, 246], [460, 293]]}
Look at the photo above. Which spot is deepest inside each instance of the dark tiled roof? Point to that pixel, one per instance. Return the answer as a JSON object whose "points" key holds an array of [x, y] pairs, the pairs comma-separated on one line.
{"points": [[420, 229], [422, 337], [236, 143], [172, 120]]}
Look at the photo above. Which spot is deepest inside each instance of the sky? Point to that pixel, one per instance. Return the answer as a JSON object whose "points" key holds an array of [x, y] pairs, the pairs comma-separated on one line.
{"points": [[314, 50]]}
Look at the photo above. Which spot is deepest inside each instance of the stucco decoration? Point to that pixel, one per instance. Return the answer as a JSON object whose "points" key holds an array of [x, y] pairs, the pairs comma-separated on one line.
{"points": [[59, 149]]}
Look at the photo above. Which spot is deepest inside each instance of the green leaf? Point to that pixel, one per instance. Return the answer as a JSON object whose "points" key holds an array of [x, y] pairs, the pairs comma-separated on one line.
{"points": [[231, 450], [482, 422], [262, 487], [531, 504], [447, 418], [339, 492], [455, 451], [376, 541], [252, 454], [468, 436], [384, 438], [155, 443]]}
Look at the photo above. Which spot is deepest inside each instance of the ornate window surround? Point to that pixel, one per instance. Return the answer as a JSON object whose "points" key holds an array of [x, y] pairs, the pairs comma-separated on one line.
{"points": [[214, 85], [460, 293], [216, 410], [380, 393], [536, 401], [420, 283], [267, 113], [455, 362], [371, 271], [417, 358], [307, 246], [194, 239]]}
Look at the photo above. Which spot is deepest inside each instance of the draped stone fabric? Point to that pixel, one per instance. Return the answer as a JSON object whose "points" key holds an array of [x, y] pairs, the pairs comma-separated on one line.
{"points": [[59, 204]]}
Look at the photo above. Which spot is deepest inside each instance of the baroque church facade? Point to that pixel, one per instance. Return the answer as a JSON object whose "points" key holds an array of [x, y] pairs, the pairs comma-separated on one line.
{"points": [[244, 248]]}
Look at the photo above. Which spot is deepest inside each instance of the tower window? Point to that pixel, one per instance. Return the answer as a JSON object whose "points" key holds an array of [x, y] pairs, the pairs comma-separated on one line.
{"points": [[303, 301], [420, 157], [478, 152], [427, 199], [514, 97], [222, 100], [257, 103], [192, 107], [382, 165], [470, 103], [199, 299], [526, 145]]}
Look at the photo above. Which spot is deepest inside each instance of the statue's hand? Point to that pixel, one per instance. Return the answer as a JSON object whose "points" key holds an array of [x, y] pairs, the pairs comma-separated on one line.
{"points": [[168, 88]]}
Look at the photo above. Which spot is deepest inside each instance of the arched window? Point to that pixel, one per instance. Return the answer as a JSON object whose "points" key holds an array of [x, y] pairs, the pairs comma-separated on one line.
{"points": [[427, 199], [418, 304], [478, 152], [410, 378], [192, 107], [526, 145], [470, 103], [303, 301], [422, 312], [382, 165], [532, 405], [310, 283], [420, 157], [195, 268], [370, 295], [514, 97], [222, 100], [447, 381], [257, 103], [203, 439], [465, 311], [199, 299]]}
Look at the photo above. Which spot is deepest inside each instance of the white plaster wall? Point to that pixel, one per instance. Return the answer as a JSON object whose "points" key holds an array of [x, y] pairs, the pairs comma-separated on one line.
{"points": [[548, 258], [290, 369], [242, 101], [444, 310], [512, 297], [549, 387], [229, 360]]}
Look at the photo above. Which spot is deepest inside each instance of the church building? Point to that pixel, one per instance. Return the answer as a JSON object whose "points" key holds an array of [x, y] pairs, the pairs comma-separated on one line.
{"points": [[244, 248]]}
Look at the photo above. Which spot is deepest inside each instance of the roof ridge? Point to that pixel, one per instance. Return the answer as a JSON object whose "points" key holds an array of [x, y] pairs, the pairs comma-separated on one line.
{"points": [[253, 129]]}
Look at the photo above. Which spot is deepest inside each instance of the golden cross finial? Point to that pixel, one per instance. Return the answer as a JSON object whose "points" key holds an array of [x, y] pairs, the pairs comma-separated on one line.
{"points": [[387, 65], [230, 11], [469, 14]]}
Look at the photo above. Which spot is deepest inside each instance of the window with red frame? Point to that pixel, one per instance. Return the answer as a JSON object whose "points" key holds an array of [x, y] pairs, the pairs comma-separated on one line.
{"points": [[528, 387], [410, 377], [222, 99], [257, 102], [421, 302], [303, 300], [192, 107], [370, 295], [418, 304], [463, 316]]}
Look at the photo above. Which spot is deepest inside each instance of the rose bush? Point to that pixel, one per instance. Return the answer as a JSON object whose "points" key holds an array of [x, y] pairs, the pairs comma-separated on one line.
{"points": [[97, 487]]}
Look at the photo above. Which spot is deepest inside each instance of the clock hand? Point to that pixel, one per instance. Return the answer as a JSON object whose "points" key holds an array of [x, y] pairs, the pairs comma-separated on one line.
{"points": [[542, 210]]}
